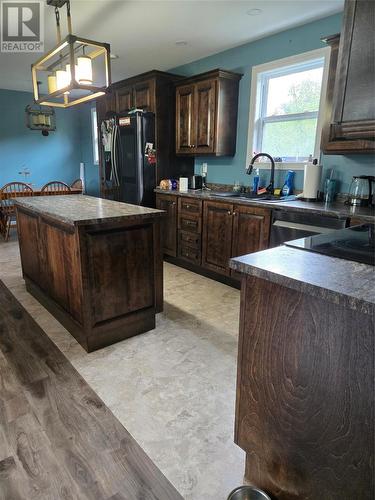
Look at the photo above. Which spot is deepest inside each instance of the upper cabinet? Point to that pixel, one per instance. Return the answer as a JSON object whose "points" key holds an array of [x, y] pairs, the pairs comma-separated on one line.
{"points": [[350, 128], [206, 114]]}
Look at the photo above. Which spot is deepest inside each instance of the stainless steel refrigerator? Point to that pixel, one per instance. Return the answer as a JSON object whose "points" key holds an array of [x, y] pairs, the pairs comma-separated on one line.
{"points": [[130, 157]]}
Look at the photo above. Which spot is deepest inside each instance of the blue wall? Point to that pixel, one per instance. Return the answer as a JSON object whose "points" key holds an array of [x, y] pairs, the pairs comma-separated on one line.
{"points": [[241, 59], [55, 157], [87, 156]]}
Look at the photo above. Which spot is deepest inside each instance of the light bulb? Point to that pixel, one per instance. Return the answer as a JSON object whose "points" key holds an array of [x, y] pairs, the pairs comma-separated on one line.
{"points": [[52, 84], [84, 70], [62, 79]]}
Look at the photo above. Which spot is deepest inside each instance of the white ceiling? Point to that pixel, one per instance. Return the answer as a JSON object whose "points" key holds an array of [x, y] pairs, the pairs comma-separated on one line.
{"points": [[144, 33]]}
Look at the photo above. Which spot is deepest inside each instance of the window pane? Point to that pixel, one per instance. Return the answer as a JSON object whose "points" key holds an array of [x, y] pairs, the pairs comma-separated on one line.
{"points": [[293, 140], [294, 93]]}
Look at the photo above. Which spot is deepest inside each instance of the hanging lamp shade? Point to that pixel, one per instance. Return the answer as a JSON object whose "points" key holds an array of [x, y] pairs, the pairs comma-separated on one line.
{"points": [[76, 70]]}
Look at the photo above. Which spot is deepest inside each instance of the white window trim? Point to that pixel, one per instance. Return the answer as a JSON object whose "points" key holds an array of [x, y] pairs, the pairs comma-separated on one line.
{"points": [[95, 145], [255, 93]]}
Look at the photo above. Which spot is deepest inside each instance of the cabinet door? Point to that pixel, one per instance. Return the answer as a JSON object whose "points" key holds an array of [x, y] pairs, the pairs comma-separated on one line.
{"points": [[124, 99], [205, 106], [354, 99], [144, 95], [217, 236], [251, 228], [169, 223], [184, 119], [104, 105]]}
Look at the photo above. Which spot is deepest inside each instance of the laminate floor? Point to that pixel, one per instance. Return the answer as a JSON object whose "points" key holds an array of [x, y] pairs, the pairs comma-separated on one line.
{"points": [[57, 439], [172, 388]]}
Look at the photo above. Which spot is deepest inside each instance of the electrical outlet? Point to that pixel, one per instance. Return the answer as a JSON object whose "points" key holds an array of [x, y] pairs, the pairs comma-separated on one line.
{"points": [[204, 169]]}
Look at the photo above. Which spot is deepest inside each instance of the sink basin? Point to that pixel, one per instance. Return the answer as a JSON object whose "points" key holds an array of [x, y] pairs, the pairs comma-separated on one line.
{"points": [[267, 198]]}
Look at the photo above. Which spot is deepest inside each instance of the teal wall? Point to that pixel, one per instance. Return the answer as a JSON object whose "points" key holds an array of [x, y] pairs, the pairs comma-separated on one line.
{"points": [[55, 157], [227, 170], [87, 155]]}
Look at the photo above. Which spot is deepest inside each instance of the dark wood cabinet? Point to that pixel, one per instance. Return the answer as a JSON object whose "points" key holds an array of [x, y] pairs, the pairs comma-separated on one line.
{"points": [[217, 236], [106, 104], [206, 114], [190, 229], [251, 229], [169, 223], [351, 92], [185, 118], [209, 233], [144, 95], [124, 99]]}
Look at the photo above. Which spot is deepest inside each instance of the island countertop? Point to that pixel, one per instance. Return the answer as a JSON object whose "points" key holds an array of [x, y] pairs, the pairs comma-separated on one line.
{"points": [[336, 209], [343, 282], [82, 210]]}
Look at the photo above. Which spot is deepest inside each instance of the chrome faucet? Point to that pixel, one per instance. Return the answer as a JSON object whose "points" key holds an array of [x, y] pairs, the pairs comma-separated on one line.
{"points": [[251, 165]]}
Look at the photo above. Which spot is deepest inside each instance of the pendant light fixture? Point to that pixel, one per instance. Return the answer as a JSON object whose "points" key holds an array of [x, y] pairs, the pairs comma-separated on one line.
{"points": [[77, 70]]}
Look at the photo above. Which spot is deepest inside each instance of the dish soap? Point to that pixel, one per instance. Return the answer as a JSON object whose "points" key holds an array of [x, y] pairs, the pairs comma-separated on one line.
{"points": [[288, 186], [256, 181]]}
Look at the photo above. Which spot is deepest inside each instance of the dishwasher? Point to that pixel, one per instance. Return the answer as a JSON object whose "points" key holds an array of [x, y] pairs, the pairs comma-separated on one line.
{"points": [[288, 225]]}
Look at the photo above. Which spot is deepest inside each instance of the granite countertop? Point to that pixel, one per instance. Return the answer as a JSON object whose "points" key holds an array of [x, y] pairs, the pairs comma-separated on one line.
{"points": [[343, 282], [81, 210], [335, 209]]}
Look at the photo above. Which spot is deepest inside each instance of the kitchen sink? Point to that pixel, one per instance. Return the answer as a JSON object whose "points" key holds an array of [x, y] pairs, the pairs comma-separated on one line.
{"points": [[252, 197]]}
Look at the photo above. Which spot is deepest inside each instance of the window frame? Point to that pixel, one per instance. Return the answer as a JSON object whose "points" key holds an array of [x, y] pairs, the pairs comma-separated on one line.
{"points": [[260, 76], [95, 136]]}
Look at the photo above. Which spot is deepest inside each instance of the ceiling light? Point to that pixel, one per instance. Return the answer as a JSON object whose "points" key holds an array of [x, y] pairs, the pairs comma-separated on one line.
{"points": [[181, 43], [114, 56], [254, 12], [67, 69]]}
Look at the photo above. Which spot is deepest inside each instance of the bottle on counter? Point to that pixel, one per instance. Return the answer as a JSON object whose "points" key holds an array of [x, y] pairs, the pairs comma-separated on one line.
{"points": [[256, 181]]}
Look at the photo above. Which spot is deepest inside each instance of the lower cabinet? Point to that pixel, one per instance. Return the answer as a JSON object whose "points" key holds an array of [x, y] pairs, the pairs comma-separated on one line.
{"points": [[169, 224], [208, 233], [217, 236]]}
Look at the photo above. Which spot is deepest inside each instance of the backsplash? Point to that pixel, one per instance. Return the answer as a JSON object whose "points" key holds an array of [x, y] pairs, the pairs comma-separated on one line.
{"points": [[228, 170]]}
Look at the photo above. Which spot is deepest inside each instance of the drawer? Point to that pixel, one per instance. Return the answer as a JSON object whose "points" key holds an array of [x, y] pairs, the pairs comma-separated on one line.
{"points": [[190, 206], [190, 254], [189, 223], [191, 240]]}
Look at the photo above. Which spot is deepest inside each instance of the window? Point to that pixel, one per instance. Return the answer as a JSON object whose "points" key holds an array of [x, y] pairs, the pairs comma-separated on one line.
{"points": [[95, 143], [285, 106]]}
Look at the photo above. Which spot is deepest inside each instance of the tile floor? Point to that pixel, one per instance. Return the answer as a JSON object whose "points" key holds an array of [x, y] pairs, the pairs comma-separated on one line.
{"points": [[173, 388]]}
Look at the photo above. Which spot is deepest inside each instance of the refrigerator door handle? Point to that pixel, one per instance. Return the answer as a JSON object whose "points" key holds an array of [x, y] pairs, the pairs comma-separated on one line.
{"points": [[115, 156]]}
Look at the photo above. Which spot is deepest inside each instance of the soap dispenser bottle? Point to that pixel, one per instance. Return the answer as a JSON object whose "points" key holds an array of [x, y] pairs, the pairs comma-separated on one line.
{"points": [[288, 186]]}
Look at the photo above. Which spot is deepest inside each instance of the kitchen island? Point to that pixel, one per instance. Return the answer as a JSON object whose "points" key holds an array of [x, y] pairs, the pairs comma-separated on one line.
{"points": [[94, 264], [305, 383]]}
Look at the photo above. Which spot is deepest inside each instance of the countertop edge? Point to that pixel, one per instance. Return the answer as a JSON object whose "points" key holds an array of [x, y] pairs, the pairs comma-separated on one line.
{"points": [[339, 210], [22, 203], [335, 297]]}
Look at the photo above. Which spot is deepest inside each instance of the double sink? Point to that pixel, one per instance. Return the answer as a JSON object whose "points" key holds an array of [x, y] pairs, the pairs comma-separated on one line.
{"points": [[267, 198]]}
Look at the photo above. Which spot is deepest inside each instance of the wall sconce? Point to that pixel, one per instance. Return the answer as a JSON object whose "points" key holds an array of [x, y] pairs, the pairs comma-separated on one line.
{"points": [[40, 118]]}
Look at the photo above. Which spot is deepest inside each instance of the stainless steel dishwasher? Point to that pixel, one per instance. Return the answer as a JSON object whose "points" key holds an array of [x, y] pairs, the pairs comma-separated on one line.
{"points": [[288, 225]]}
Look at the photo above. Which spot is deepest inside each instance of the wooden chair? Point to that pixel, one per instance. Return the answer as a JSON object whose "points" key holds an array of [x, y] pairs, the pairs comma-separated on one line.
{"points": [[54, 188], [77, 184], [7, 211]]}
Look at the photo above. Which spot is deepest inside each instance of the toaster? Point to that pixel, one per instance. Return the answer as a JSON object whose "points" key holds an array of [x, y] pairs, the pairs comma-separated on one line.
{"points": [[195, 182]]}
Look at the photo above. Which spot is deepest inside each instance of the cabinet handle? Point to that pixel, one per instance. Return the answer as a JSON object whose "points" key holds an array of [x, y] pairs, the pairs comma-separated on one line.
{"points": [[229, 212]]}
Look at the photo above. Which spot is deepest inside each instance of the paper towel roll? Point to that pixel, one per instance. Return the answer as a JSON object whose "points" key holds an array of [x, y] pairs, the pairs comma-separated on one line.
{"points": [[311, 181]]}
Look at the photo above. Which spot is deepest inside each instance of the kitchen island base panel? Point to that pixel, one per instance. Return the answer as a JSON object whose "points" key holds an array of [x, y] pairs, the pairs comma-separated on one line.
{"points": [[305, 394], [103, 335]]}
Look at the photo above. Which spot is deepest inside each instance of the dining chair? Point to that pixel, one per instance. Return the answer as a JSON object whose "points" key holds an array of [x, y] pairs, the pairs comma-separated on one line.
{"points": [[54, 188], [77, 184], [7, 211]]}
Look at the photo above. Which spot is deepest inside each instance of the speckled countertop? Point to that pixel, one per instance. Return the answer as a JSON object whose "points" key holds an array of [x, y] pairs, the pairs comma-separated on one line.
{"points": [[336, 209], [81, 210], [343, 282]]}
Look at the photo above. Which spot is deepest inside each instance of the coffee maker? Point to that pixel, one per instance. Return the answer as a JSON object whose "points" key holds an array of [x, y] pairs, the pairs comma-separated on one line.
{"points": [[361, 191]]}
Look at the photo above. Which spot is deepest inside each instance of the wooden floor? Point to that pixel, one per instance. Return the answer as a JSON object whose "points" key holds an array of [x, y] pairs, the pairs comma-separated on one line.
{"points": [[57, 438]]}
